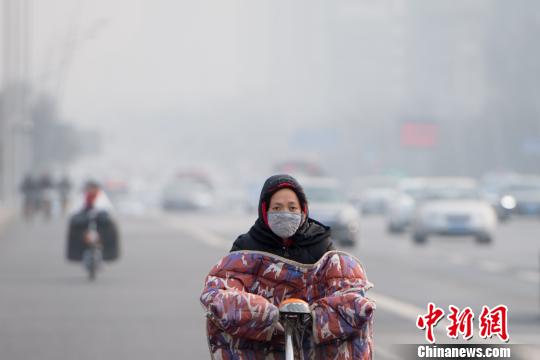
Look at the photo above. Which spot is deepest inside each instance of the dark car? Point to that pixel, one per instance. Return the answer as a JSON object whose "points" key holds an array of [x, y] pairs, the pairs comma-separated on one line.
{"points": [[513, 194], [522, 198]]}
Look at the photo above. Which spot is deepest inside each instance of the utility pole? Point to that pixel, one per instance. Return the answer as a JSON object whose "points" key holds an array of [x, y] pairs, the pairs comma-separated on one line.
{"points": [[14, 116], [5, 125]]}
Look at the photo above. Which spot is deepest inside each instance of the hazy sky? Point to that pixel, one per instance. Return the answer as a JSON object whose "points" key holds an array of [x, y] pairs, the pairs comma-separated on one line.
{"points": [[210, 74], [142, 57], [159, 71], [230, 80]]}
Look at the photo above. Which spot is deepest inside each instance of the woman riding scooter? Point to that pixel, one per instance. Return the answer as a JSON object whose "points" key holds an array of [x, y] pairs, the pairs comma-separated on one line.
{"points": [[286, 255]]}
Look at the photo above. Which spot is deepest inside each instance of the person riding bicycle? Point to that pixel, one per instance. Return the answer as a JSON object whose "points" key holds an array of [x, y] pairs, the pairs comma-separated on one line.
{"points": [[286, 254], [94, 209], [95, 199], [92, 191]]}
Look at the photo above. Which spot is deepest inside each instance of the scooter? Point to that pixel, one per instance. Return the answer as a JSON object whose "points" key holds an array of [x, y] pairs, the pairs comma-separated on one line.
{"points": [[294, 316]]}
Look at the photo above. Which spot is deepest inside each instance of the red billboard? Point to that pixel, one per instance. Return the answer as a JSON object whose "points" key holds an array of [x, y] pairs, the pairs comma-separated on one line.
{"points": [[419, 134]]}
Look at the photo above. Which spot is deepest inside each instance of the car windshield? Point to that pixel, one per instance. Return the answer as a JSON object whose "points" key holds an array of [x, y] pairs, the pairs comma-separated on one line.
{"points": [[522, 188], [379, 183], [415, 193], [187, 186], [449, 193], [325, 194]]}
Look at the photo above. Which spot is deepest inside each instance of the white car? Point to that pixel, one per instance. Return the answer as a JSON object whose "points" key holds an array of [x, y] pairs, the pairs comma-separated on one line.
{"points": [[402, 207], [454, 207], [328, 205], [186, 193], [372, 194]]}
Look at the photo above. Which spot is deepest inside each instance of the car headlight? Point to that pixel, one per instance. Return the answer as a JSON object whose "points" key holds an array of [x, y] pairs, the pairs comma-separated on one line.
{"points": [[508, 202]]}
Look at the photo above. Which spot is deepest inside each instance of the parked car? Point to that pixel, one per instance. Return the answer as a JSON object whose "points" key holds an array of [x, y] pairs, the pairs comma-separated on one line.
{"points": [[328, 205], [454, 207]]}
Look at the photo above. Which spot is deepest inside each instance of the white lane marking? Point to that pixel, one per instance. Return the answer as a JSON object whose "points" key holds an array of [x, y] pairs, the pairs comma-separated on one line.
{"points": [[404, 310], [201, 233], [458, 260], [530, 276], [496, 267], [207, 236], [492, 266]]}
